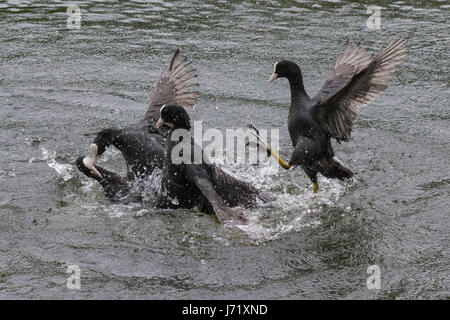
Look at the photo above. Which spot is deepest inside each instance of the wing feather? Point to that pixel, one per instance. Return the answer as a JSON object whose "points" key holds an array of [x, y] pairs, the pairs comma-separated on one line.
{"points": [[355, 80], [198, 176], [173, 87]]}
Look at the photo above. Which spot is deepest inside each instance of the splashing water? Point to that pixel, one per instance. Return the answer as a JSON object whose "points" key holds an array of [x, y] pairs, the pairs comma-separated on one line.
{"points": [[64, 170], [293, 200]]}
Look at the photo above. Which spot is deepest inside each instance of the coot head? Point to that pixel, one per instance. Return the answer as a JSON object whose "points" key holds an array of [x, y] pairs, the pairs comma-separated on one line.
{"points": [[174, 116], [87, 166], [285, 69]]}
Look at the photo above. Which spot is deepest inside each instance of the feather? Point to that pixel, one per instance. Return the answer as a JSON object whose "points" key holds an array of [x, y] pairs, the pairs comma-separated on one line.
{"points": [[357, 79], [173, 87]]}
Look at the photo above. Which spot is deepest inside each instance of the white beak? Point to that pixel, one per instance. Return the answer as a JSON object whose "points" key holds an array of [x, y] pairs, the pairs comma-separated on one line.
{"points": [[159, 123], [273, 77], [90, 164], [94, 149]]}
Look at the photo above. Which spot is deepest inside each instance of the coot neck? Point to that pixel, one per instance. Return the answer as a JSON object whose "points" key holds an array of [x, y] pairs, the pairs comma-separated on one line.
{"points": [[299, 96], [115, 139]]}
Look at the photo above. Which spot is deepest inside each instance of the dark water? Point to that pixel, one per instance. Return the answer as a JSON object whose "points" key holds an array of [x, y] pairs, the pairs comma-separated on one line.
{"points": [[58, 87]]}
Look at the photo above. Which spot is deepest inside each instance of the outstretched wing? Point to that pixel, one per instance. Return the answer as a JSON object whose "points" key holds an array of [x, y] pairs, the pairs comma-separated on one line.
{"points": [[198, 176], [174, 87], [355, 80]]}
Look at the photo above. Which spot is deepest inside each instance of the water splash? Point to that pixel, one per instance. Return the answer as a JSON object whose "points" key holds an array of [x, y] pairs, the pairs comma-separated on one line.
{"points": [[294, 202], [290, 211], [64, 170]]}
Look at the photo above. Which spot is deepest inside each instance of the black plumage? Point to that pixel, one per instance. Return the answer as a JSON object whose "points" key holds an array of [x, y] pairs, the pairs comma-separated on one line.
{"points": [[355, 80], [114, 186], [142, 150], [186, 184], [142, 144]]}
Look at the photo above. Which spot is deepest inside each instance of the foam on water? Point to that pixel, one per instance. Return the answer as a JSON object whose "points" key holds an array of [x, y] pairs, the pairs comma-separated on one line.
{"points": [[286, 213], [292, 198]]}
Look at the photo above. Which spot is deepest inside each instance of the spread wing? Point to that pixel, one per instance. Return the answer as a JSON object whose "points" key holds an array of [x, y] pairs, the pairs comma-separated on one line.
{"points": [[174, 87], [355, 80]]}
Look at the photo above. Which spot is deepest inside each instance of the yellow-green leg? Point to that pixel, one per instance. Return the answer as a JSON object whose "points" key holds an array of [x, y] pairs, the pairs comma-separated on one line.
{"points": [[315, 187]]}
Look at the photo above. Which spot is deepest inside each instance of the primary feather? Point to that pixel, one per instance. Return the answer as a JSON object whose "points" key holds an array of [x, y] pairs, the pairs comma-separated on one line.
{"points": [[355, 80], [173, 88]]}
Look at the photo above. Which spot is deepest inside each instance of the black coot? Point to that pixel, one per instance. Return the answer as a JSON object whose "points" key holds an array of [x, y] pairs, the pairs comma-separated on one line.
{"points": [[141, 144], [186, 184], [355, 80]]}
